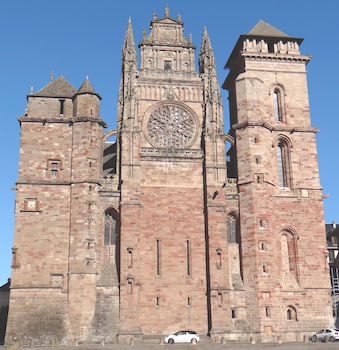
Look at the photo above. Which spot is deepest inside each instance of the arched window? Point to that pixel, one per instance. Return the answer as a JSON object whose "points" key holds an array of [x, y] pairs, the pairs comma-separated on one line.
{"points": [[291, 313], [283, 164], [277, 106], [289, 254], [232, 234], [110, 228]]}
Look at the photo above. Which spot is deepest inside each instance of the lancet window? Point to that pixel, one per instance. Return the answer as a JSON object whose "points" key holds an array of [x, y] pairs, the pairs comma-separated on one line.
{"points": [[110, 228], [283, 164]]}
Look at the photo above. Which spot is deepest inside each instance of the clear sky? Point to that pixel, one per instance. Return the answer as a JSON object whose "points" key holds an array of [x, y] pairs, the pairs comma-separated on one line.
{"points": [[75, 38]]}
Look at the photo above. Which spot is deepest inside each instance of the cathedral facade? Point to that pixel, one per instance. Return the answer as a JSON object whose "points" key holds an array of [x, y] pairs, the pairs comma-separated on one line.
{"points": [[163, 230]]}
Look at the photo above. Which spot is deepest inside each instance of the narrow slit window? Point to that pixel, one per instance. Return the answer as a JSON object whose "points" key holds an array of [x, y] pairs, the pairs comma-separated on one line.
{"points": [[62, 102], [188, 302], [157, 301], [130, 257], [233, 313], [188, 262], [289, 314], [158, 257]]}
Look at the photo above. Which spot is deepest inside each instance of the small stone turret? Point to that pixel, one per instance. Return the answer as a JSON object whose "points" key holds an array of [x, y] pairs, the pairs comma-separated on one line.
{"points": [[86, 102]]}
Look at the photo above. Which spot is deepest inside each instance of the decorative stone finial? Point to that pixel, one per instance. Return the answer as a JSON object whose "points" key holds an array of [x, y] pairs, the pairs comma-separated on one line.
{"points": [[129, 19], [144, 34], [179, 17], [52, 75], [32, 89], [154, 16], [190, 37], [166, 11]]}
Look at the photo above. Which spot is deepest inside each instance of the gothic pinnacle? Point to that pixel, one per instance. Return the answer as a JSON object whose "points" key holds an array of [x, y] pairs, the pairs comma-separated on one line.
{"points": [[206, 54], [129, 38], [129, 51], [206, 43]]}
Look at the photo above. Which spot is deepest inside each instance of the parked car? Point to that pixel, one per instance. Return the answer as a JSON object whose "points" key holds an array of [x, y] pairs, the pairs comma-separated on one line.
{"points": [[183, 337], [332, 334]]}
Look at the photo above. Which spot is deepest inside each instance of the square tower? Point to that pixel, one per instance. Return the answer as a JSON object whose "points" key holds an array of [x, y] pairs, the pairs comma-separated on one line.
{"points": [[280, 197]]}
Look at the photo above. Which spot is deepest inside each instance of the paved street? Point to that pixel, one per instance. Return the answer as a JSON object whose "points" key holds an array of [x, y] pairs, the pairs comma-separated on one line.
{"points": [[201, 346]]}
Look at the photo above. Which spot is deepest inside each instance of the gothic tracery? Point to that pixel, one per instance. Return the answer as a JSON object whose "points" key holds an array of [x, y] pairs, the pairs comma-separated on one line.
{"points": [[171, 126]]}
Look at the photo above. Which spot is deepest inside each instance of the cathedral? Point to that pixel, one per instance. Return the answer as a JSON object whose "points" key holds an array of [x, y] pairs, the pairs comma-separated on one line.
{"points": [[163, 229]]}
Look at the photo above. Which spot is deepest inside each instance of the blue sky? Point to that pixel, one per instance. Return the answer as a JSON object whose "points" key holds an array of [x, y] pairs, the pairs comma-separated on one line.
{"points": [[80, 37]]}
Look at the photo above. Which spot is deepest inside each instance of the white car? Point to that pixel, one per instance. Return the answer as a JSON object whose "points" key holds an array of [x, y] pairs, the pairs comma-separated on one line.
{"points": [[183, 337], [332, 334]]}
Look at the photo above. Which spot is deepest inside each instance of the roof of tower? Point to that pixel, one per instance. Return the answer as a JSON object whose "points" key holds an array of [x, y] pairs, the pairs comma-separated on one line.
{"points": [[87, 88], [263, 28], [56, 88]]}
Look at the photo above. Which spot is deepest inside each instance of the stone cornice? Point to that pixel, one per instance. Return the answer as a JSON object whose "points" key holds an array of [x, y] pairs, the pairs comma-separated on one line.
{"points": [[63, 120], [276, 57], [53, 182], [281, 127]]}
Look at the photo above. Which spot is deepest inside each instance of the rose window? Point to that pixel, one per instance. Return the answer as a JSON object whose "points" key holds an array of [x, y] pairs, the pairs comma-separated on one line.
{"points": [[171, 126]]}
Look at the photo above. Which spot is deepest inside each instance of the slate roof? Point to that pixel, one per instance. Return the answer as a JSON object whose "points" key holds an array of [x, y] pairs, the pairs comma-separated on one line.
{"points": [[262, 28], [57, 88], [5, 288], [87, 88]]}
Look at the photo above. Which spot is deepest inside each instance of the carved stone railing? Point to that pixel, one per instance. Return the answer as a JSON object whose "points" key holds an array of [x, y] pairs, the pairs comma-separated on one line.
{"points": [[110, 183], [231, 187], [154, 153]]}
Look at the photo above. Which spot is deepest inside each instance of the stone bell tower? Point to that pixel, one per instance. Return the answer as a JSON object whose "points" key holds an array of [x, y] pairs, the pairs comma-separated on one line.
{"points": [[280, 197]]}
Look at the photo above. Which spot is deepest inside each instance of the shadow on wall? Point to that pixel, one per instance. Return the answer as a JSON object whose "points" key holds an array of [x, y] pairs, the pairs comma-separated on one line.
{"points": [[4, 301]]}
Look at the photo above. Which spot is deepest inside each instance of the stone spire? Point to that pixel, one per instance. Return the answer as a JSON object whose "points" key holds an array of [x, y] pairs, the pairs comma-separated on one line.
{"points": [[206, 54], [129, 52], [212, 97]]}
